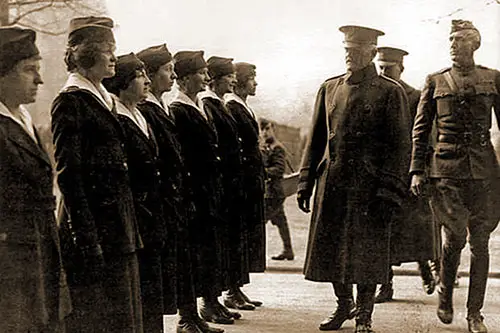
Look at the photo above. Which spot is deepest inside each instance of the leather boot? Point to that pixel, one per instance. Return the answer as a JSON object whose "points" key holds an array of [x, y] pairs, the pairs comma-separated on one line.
{"points": [[227, 312], [233, 300], [476, 324], [346, 310], [287, 253], [210, 312], [428, 282], [187, 322], [248, 300], [204, 327], [445, 304], [365, 302], [386, 291]]}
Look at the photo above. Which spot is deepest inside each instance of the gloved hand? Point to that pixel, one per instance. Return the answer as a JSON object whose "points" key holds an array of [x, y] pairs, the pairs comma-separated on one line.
{"points": [[303, 200]]}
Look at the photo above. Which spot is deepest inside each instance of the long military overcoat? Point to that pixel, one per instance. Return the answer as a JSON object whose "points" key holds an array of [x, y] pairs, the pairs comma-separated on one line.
{"points": [[33, 290], [357, 156]]}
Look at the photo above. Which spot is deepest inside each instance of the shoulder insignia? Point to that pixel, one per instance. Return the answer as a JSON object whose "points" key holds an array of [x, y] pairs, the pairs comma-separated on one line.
{"points": [[335, 77]]}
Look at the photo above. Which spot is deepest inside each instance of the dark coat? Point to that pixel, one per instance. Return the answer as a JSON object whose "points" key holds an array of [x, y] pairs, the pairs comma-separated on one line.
{"points": [[274, 156], [233, 231], [199, 147], [413, 234], [177, 207], [357, 155], [145, 180], [32, 282], [97, 214], [253, 183]]}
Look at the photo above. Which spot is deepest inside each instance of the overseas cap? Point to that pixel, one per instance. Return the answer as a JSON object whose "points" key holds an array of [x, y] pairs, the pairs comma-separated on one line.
{"points": [[16, 44], [90, 28], [188, 62], [155, 56], [218, 66], [125, 71]]}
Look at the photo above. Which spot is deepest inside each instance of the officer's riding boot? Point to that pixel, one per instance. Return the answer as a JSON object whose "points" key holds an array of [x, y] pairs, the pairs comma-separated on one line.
{"points": [[480, 261], [346, 308], [386, 291], [449, 266], [211, 312], [287, 253], [364, 307], [428, 281]]}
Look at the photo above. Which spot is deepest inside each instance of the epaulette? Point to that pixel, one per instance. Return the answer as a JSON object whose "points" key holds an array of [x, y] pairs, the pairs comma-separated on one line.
{"points": [[335, 77], [442, 71]]}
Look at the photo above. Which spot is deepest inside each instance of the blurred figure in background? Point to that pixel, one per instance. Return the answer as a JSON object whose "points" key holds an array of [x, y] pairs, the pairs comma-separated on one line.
{"points": [[274, 157]]}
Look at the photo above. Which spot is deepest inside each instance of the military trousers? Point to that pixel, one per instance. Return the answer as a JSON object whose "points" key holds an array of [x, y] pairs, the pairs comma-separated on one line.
{"points": [[461, 207]]}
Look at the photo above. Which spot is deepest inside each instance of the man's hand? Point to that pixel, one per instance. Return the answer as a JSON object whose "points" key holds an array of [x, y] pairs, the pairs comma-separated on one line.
{"points": [[303, 200], [418, 182]]}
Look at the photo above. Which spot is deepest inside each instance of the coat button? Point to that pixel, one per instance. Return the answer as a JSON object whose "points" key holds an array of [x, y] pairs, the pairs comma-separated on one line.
{"points": [[125, 165], [158, 173]]}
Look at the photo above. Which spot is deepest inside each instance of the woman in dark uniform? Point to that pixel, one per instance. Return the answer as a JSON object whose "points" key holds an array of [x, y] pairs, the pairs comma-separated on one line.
{"points": [[130, 85], [252, 207], [198, 139], [99, 231]]}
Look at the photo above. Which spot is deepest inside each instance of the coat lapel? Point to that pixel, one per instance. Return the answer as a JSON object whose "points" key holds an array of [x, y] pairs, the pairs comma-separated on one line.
{"points": [[22, 139]]}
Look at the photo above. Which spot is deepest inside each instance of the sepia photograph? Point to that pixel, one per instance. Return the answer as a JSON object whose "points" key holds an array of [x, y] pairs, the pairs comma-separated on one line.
{"points": [[269, 166]]}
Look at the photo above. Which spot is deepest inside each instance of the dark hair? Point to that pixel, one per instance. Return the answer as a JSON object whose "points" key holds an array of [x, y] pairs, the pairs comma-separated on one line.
{"points": [[83, 55], [263, 122]]}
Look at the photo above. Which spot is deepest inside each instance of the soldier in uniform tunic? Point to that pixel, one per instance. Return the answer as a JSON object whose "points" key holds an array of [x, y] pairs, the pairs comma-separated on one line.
{"points": [[274, 156], [357, 155], [32, 282], [458, 100], [412, 235], [199, 145]]}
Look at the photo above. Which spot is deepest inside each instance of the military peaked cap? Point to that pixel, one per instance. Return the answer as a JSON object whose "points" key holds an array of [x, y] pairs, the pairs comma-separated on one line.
{"points": [[356, 35], [390, 55]]}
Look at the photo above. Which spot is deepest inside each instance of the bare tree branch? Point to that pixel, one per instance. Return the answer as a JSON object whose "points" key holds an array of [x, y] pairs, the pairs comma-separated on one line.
{"points": [[48, 32], [28, 12]]}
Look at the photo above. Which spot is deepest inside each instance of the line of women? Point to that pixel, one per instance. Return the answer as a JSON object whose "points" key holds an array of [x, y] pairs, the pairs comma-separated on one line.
{"points": [[160, 205]]}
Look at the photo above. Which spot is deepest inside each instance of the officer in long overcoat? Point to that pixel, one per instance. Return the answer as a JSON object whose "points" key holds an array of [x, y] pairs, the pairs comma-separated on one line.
{"points": [[459, 101], [413, 233], [357, 156], [33, 288]]}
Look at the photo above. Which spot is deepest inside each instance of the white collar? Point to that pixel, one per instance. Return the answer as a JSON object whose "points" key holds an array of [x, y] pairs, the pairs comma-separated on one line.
{"points": [[26, 122], [81, 82], [152, 99], [239, 100], [184, 99], [209, 93], [136, 116]]}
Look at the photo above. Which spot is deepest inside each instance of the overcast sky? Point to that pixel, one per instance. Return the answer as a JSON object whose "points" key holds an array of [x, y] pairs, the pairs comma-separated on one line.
{"points": [[296, 44]]}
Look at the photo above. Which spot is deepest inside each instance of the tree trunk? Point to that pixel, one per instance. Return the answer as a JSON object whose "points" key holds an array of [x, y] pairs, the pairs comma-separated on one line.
{"points": [[4, 12]]}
